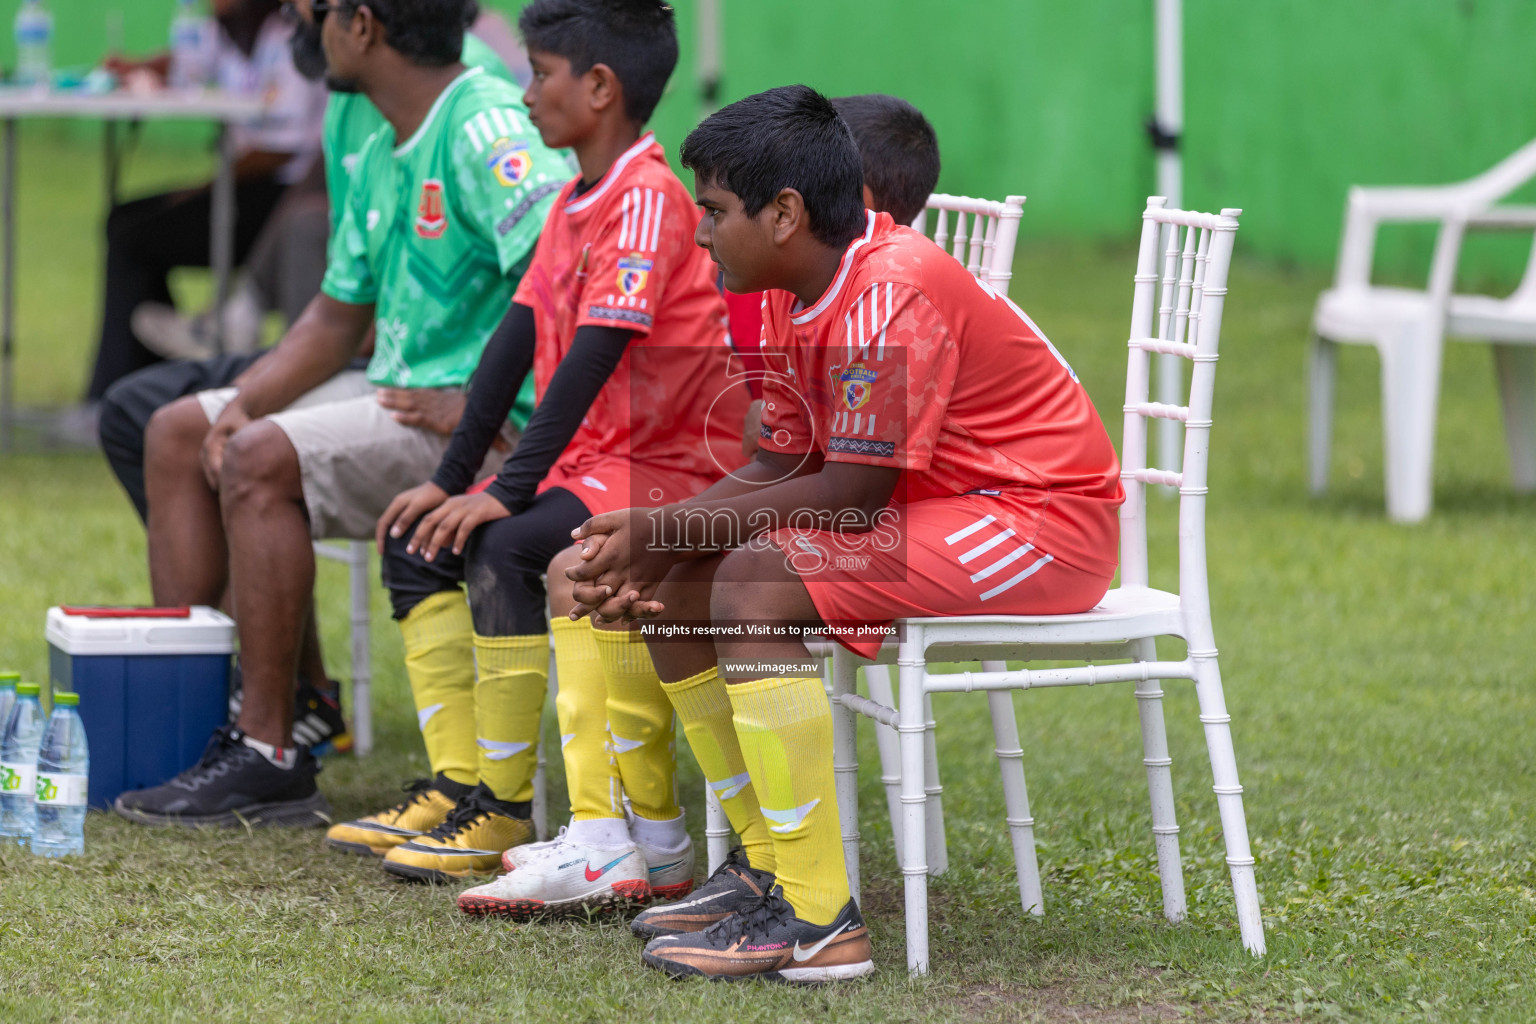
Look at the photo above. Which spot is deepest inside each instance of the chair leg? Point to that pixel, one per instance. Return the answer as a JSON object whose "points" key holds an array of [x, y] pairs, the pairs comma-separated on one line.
{"points": [[1322, 367], [361, 587], [938, 852], [878, 678], [845, 763], [914, 798], [717, 830], [1410, 392], [1229, 798], [540, 782], [1154, 750], [1010, 763], [1515, 366]]}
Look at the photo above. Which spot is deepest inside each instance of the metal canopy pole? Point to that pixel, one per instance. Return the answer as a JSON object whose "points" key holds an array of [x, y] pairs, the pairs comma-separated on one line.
{"points": [[707, 56], [1165, 128]]}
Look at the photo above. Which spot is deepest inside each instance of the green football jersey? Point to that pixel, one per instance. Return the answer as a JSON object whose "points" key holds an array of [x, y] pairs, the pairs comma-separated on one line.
{"points": [[437, 231], [350, 118]]}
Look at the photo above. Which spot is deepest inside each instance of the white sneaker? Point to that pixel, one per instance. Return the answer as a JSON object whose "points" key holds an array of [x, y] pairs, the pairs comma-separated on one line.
{"points": [[516, 857], [565, 879], [671, 877]]}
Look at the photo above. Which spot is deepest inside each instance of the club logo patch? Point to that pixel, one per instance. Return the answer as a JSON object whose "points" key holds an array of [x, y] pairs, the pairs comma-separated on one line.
{"points": [[856, 384], [510, 161], [431, 214], [634, 271]]}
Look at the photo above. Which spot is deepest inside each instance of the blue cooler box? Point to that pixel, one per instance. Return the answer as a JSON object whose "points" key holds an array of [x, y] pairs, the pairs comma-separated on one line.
{"points": [[152, 690]]}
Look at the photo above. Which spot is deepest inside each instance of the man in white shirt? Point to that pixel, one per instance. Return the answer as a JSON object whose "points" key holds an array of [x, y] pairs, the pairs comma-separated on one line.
{"points": [[147, 237]]}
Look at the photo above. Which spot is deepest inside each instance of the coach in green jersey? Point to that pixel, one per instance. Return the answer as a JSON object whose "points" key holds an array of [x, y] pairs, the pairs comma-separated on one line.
{"points": [[441, 215]]}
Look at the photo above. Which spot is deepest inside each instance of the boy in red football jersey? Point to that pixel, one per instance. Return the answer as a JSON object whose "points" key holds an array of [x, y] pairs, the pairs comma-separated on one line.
{"points": [[619, 318], [925, 451]]}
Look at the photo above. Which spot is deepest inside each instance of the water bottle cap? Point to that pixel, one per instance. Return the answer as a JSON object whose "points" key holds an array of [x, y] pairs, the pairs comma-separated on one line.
{"points": [[28, 689], [66, 699], [9, 679]]}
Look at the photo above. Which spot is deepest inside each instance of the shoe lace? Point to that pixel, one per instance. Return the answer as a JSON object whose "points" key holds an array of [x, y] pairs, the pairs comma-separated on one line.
{"points": [[753, 919], [737, 858], [472, 807], [417, 788], [215, 760]]}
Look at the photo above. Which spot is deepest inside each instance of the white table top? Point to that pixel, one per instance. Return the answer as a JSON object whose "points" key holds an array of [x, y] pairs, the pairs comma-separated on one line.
{"points": [[203, 104]]}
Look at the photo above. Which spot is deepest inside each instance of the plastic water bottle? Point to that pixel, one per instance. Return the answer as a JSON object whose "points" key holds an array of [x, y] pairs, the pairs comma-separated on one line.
{"points": [[18, 766], [63, 765], [191, 40], [8, 681], [34, 41]]}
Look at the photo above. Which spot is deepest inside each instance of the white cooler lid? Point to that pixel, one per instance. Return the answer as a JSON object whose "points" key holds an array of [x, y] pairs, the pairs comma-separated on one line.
{"points": [[205, 631]]}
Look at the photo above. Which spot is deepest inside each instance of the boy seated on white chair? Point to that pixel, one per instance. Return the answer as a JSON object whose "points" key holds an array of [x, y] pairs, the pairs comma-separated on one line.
{"points": [[924, 451]]}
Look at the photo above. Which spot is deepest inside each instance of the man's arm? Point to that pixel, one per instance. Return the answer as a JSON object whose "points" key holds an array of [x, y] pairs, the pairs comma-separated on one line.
{"points": [[317, 347]]}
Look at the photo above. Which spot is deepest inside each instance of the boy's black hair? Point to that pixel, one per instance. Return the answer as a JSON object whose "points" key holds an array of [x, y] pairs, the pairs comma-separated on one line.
{"points": [[898, 148], [636, 38], [789, 137], [429, 33]]}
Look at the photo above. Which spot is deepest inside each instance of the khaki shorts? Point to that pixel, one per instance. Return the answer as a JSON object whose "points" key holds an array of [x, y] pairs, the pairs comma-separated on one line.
{"points": [[353, 457]]}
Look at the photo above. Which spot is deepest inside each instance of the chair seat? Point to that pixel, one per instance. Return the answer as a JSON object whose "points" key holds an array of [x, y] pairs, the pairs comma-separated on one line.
{"points": [[1125, 613], [1484, 318], [1363, 315]]}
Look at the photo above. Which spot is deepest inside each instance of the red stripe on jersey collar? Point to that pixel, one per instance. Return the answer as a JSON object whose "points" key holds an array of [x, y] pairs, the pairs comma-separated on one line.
{"points": [[593, 194], [842, 275]]}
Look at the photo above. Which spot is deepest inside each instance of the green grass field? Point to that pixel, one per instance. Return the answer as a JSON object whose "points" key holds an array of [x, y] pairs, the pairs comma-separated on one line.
{"points": [[1378, 677]]}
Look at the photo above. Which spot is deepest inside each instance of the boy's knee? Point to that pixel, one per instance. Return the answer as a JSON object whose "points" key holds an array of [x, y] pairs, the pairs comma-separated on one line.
{"points": [[562, 596], [411, 579], [737, 590]]}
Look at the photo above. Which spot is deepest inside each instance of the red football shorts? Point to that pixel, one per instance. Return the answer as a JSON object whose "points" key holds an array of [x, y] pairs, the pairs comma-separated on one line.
{"points": [[965, 555]]}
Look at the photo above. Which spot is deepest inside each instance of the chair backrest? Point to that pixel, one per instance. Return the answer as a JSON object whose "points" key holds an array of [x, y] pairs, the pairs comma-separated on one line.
{"points": [[981, 235], [1181, 287]]}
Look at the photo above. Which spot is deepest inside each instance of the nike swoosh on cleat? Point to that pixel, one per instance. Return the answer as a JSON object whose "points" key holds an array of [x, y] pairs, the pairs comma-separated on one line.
{"points": [[666, 866], [791, 819], [593, 876], [727, 788], [802, 955]]}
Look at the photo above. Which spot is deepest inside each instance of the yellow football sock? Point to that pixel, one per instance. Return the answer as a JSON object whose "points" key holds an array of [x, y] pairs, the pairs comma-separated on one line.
{"points": [[798, 792], [591, 779], [440, 663], [705, 711], [640, 725], [511, 678]]}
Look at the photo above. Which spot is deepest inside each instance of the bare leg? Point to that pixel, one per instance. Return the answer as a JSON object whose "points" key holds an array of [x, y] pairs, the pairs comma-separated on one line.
{"points": [[311, 663], [561, 596], [755, 584], [188, 557], [685, 595], [272, 572]]}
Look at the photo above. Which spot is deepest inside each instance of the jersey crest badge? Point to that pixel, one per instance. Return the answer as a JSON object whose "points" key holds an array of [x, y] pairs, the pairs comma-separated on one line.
{"points": [[431, 214], [856, 384], [634, 271], [510, 161]]}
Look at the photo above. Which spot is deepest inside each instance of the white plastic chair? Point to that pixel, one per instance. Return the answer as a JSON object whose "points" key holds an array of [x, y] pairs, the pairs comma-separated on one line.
{"points": [[1408, 328], [1125, 624], [354, 555]]}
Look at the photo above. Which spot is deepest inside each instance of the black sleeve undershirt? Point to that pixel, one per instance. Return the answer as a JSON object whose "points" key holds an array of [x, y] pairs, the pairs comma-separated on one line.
{"points": [[595, 353], [506, 360]]}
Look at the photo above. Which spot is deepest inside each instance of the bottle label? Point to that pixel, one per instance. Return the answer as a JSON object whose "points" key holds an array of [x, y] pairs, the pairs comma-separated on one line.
{"points": [[16, 779], [63, 790]]}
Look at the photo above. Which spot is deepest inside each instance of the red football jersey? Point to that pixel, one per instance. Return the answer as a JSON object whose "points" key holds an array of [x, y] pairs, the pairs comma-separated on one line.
{"points": [[908, 361], [622, 254]]}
